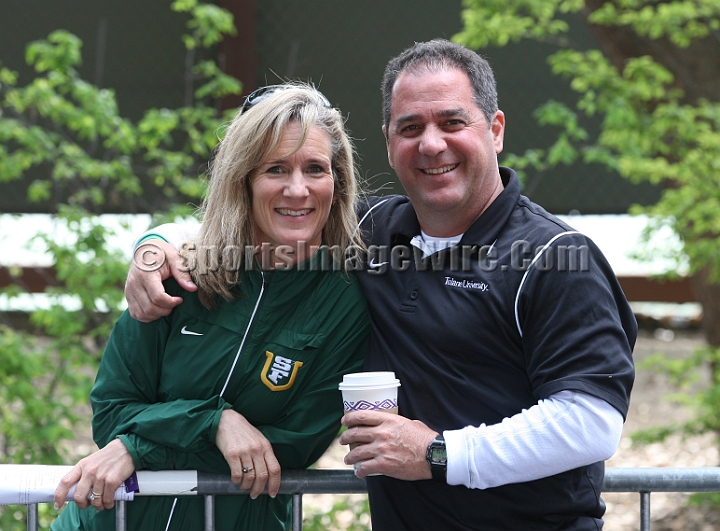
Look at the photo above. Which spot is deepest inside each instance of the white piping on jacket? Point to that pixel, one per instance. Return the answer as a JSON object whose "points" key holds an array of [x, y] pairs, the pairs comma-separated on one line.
{"points": [[362, 220], [247, 330], [522, 282], [172, 510]]}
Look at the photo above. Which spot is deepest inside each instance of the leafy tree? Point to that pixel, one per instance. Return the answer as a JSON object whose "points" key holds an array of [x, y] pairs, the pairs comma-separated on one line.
{"points": [[70, 132], [654, 85]]}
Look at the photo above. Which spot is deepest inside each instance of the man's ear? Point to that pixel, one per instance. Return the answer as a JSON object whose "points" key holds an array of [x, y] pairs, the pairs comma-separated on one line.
{"points": [[498, 131]]}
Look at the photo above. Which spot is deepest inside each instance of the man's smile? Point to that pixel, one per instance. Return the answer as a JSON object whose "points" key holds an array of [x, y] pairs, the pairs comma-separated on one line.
{"points": [[438, 171]]}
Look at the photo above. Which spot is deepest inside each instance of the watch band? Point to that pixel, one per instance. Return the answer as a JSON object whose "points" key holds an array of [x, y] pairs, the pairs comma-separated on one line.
{"points": [[436, 456]]}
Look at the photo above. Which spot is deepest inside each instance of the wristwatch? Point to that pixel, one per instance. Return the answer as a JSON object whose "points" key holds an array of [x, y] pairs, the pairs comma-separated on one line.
{"points": [[436, 456]]}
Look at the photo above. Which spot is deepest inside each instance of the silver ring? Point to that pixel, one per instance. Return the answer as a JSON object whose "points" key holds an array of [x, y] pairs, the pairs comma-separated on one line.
{"points": [[246, 469], [93, 495]]}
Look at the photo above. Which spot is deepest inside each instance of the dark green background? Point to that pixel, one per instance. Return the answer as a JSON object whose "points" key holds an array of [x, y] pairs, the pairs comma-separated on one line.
{"points": [[340, 45]]}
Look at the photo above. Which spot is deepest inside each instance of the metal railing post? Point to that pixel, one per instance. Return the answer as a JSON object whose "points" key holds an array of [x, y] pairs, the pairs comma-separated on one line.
{"points": [[32, 517], [644, 511], [297, 512], [209, 512], [120, 515]]}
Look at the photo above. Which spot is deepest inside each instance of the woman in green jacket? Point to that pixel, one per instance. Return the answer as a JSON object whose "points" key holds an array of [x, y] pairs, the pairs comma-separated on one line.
{"points": [[242, 377]]}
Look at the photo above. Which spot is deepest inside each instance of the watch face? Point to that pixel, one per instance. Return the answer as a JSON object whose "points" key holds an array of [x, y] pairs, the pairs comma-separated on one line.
{"points": [[438, 454]]}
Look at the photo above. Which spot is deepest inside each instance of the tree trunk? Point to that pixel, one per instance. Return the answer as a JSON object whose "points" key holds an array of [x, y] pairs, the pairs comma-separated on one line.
{"points": [[709, 296]]}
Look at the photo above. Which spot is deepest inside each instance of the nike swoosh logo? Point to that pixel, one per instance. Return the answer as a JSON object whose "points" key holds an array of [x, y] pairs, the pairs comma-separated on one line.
{"points": [[373, 265], [188, 332]]}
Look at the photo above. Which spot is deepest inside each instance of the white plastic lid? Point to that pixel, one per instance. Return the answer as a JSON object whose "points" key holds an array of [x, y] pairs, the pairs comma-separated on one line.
{"points": [[369, 380]]}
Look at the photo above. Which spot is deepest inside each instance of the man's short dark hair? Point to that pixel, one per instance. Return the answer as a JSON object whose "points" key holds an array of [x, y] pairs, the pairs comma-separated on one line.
{"points": [[441, 54]]}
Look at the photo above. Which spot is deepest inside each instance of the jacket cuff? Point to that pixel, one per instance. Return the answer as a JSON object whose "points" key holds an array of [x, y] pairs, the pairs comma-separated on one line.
{"points": [[212, 435], [127, 441]]}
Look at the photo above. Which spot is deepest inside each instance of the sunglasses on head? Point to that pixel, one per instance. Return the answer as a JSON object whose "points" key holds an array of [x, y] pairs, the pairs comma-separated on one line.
{"points": [[256, 96]]}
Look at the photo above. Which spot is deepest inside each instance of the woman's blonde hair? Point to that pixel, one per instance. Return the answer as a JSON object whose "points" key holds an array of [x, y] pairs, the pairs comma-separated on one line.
{"points": [[217, 256]]}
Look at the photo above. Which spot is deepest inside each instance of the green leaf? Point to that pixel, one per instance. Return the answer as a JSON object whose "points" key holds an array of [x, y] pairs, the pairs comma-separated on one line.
{"points": [[60, 52]]}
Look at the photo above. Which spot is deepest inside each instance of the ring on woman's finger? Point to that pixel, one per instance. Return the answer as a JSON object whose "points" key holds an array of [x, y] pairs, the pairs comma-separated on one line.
{"points": [[94, 495], [247, 469]]}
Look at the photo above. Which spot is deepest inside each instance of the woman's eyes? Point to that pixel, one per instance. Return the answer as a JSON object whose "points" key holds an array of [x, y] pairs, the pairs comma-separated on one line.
{"points": [[316, 168]]}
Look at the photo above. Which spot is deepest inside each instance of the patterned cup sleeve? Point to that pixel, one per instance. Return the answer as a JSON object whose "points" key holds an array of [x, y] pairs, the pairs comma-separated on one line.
{"points": [[365, 405]]}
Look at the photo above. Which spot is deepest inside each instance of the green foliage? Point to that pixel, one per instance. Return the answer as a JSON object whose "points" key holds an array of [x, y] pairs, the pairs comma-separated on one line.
{"points": [[71, 130], [497, 22], [680, 21], [705, 498], [209, 23], [684, 374], [45, 380], [348, 513]]}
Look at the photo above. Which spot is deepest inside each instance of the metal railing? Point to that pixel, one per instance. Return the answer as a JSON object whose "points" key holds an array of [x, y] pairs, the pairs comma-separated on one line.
{"points": [[343, 481]]}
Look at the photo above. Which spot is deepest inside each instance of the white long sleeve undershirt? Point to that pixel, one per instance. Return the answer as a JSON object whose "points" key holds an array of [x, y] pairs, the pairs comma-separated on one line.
{"points": [[565, 431]]}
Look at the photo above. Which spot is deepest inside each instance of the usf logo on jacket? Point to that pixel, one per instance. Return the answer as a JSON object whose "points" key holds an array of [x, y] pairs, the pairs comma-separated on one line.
{"points": [[279, 372]]}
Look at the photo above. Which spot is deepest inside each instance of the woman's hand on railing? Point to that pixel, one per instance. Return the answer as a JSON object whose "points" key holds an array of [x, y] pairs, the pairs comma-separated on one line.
{"points": [[97, 477], [250, 455]]}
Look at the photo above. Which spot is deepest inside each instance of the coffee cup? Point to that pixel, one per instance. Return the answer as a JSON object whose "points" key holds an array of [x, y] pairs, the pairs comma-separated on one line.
{"points": [[370, 391]]}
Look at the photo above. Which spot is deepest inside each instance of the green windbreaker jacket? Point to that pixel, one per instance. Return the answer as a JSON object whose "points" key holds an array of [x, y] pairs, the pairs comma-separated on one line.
{"points": [[279, 351]]}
